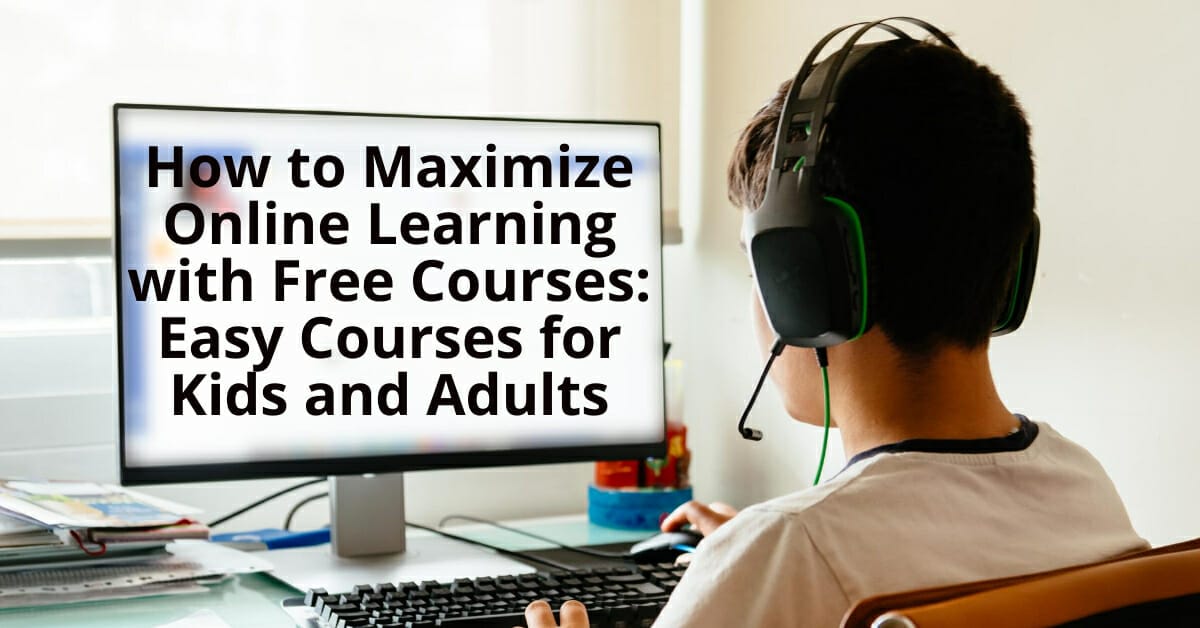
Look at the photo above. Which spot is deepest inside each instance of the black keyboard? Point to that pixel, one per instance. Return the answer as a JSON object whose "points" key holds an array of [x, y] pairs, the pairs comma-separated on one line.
{"points": [[616, 597]]}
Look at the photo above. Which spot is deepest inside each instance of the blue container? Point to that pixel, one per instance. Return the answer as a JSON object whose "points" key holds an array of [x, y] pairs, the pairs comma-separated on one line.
{"points": [[640, 509]]}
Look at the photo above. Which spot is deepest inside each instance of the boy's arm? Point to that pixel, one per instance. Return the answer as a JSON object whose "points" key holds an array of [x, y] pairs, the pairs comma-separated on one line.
{"points": [[760, 569]]}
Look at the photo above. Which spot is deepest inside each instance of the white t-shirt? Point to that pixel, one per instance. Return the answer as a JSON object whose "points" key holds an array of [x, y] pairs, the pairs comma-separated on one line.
{"points": [[906, 516]]}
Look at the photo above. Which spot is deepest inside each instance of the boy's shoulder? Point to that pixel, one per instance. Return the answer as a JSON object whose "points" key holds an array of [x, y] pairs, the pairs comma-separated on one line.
{"points": [[973, 515], [883, 477]]}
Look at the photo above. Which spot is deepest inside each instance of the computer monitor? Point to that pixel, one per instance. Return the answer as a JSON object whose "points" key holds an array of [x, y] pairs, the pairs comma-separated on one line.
{"points": [[319, 293]]}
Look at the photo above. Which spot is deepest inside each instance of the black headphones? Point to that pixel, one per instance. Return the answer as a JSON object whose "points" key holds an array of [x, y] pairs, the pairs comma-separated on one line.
{"points": [[807, 248]]}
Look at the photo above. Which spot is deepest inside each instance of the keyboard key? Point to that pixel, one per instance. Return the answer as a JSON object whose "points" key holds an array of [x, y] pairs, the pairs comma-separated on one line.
{"points": [[331, 611], [352, 620], [648, 588], [626, 578], [323, 601], [504, 620], [310, 597]]}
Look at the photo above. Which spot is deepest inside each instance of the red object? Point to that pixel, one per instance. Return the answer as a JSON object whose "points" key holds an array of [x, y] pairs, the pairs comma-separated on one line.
{"points": [[616, 474], [101, 547], [669, 472]]}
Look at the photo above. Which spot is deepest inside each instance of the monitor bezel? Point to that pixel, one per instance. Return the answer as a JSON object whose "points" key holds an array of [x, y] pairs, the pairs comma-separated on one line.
{"points": [[167, 474]]}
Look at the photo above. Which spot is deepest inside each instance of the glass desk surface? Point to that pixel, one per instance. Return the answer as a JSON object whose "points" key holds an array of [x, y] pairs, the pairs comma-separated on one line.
{"points": [[253, 600]]}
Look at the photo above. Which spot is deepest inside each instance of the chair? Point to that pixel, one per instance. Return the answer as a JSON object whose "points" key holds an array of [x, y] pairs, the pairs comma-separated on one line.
{"points": [[1157, 587]]}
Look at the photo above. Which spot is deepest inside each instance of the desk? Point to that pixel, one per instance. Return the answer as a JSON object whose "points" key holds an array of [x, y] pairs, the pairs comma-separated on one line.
{"points": [[253, 600]]}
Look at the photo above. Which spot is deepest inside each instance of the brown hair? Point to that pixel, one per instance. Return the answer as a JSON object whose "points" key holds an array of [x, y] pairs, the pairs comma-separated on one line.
{"points": [[751, 160]]}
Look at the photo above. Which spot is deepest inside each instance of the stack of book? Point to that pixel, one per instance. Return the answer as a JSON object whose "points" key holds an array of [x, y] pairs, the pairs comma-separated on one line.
{"points": [[50, 523], [66, 542]]}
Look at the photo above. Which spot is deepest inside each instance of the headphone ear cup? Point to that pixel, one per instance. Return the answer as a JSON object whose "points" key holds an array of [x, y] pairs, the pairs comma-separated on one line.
{"points": [[1012, 313], [789, 265], [856, 264]]}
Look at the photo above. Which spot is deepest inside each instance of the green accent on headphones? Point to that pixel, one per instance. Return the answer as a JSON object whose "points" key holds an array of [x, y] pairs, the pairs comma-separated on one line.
{"points": [[1012, 299], [856, 227], [799, 164]]}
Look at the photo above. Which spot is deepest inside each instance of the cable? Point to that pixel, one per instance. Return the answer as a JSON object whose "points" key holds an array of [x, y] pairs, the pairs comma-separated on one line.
{"points": [[101, 547], [559, 544], [287, 521], [746, 432], [495, 548], [823, 362], [218, 521]]}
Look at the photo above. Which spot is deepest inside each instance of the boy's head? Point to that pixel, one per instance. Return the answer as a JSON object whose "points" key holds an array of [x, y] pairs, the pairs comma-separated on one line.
{"points": [[933, 151]]}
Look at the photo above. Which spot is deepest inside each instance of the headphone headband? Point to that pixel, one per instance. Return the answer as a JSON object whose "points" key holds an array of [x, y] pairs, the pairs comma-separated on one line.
{"points": [[792, 104]]}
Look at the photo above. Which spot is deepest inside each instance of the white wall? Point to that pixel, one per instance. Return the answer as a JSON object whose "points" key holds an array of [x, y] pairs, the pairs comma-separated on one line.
{"points": [[63, 64], [1108, 352]]}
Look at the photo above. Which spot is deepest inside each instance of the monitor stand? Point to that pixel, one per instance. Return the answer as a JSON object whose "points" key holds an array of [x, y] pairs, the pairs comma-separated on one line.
{"points": [[366, 514], [369, 544]]}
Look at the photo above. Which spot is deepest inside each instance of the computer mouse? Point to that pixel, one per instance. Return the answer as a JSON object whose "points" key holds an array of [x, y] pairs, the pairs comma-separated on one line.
{"points": [[665, 547]]}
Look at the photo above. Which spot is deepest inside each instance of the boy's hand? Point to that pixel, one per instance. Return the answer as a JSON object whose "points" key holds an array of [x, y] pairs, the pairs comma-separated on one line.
{"points": [[706, 519], [572, 614]]}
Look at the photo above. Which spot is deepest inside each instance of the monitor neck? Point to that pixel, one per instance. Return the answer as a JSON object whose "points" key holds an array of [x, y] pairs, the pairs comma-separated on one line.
{"points": [[366, 514]]}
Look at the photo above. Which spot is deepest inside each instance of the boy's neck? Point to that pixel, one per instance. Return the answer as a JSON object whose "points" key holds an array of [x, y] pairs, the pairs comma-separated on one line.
{"points": [[877, 399]]}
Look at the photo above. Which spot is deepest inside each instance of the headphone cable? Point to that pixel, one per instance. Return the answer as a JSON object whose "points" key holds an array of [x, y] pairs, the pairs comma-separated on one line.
{"points": [[823, 362]]}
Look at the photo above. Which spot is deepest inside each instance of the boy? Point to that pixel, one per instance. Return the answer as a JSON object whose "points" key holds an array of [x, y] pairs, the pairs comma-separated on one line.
{"points": [[943, 483]]}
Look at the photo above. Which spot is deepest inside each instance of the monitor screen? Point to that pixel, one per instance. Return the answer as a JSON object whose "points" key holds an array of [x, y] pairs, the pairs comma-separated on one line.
{"points": [[320, 293]]}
